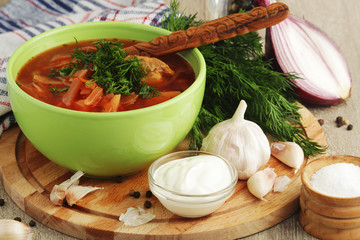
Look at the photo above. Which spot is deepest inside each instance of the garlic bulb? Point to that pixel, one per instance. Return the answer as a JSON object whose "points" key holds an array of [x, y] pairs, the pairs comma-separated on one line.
{"points": [[14, 230], [240, 141], [261, 183], [289, 153]]}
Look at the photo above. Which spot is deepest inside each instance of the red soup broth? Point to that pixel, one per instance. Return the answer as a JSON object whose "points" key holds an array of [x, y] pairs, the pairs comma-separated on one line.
{"points": [[35, 80]]}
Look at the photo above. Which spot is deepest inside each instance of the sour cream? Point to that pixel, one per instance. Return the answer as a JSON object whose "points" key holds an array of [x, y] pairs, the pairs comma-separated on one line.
{"points": [[202, 174], [191, 183]]}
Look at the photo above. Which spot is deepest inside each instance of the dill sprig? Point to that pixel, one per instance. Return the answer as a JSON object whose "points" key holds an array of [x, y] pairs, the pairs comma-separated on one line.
{"points": [[236, 70], [174, 21], [57, 91], [112, 69]]}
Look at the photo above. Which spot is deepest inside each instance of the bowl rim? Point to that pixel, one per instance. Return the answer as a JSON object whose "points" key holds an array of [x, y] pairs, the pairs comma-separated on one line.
{"points": [[222, 193], [11, 80]]}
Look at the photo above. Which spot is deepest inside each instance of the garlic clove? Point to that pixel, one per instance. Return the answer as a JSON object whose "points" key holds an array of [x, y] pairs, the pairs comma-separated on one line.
{"points": [[289, 153], [281, 183], [261, 182], [135, 217], [58, 193], [14, 230], [76, 192]]}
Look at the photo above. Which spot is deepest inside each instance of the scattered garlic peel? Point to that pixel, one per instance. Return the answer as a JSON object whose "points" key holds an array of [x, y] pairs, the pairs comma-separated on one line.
{"points": [[76, 192], [289, 153], [14, 230], [58, 193], [261, 183], [135, 217], [281, 183], [70, 190]]}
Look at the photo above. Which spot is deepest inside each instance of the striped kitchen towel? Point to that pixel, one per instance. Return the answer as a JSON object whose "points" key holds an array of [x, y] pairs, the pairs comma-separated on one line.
{"points": [[21, 20]]}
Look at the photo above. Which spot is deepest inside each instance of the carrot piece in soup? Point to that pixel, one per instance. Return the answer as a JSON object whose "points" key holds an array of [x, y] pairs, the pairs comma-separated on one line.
{"points": [[72, 92], [45, 80], [37, 88], [80, 73], [40, 92], [108, 97], [85, 91], [88, 49], [80, 106], [129, 100], [81, 79], [29, 89], [87, 87], [91, 86], [170, 94], [94, 97], [59, 60], [162, 98], [113, 104], [61, 57]]}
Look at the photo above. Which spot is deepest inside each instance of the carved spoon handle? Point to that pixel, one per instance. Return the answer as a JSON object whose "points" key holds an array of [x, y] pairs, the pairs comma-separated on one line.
{"points": [[213, 31]]}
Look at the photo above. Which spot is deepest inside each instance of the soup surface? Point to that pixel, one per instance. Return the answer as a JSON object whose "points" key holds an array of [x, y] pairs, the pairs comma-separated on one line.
{"points": [[52, 78]]}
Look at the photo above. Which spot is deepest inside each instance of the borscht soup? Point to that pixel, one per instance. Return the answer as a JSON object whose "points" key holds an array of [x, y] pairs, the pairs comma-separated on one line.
{"points": [[99, 76]]}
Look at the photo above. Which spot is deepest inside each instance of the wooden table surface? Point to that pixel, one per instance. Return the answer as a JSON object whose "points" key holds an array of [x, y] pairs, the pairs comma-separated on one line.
{"points": [[341, 21]]}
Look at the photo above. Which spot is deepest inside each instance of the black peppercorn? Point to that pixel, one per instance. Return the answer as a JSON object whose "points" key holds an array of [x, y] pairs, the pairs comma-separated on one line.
{"points": [[17, 219], [339, 119], [148, 194], [349, 127], [321, 122], [32, 223], [147, 204], [119, 179], [2, 202], [136, 194]]}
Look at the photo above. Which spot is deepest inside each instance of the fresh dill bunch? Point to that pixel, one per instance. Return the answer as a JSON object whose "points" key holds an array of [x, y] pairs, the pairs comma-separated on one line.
{"points": [[175, 20], [236, 70], [112, 69]]}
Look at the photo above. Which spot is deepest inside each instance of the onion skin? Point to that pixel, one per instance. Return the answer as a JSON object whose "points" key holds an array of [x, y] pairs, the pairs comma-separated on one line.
{"points": [[319, 99], [301, 48]]}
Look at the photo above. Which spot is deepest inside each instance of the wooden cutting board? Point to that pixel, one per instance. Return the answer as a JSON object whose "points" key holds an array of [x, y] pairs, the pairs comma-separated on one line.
{"points": [[28, 178]]}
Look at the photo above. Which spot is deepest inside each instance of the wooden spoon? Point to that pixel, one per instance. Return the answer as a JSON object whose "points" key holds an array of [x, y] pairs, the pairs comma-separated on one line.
{"points": [[213, 31]]}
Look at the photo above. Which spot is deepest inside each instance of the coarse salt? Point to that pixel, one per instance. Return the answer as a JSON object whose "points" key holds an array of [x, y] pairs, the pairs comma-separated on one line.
{"points": [[337, 180]]}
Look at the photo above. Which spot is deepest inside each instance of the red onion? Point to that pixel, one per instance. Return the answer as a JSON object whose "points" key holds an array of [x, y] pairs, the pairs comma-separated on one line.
{"points": [[303, 49]]}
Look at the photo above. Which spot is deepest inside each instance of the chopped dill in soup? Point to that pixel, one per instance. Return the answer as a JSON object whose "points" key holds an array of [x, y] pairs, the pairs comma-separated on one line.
{"points": [[98, 76]]}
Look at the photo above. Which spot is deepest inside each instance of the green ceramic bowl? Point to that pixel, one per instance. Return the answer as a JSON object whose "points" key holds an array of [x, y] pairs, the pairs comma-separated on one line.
{"points": [[103, 144]]}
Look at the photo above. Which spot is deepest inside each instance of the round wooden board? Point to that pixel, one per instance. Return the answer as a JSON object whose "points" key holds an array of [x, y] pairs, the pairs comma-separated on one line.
{"points": [[28, 178]]}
